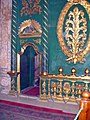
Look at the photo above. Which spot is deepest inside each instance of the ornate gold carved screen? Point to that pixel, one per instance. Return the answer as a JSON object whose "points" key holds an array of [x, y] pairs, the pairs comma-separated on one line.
{"points": [[72, 30]]}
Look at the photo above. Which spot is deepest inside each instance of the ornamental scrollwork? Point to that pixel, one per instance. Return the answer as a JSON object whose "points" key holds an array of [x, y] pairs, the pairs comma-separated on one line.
{"points": [[75, 29], [29, 28], [30, 7], [73, 32]]}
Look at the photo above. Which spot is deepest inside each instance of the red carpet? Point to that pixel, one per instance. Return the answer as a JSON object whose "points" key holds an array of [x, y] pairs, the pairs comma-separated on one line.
{"points": [[17, 111], [32, 91]]}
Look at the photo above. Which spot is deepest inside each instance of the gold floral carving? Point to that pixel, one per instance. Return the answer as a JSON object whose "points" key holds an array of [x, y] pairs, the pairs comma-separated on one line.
{"points": [[30, 7], [75, 41], [29, 28], [22, 41], [38, 41]]}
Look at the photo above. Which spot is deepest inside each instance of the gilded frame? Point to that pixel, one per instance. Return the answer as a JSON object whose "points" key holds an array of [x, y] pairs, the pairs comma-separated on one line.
{"points": [[18, 61]]}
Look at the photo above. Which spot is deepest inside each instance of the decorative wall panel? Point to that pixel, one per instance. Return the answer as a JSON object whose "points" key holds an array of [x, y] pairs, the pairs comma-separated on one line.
{"points": [[36, 22], [59, 56], [5, 44]]}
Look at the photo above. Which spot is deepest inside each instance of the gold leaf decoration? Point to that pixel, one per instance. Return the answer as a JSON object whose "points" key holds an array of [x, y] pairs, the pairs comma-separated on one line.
{"points": [[75, 29], [74, 46], [29, 28], [30, 7], [38, 41]]}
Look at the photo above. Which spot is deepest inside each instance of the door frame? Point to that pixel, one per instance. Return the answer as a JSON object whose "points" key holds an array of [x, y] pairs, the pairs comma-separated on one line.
{"points": [[18, 61]]}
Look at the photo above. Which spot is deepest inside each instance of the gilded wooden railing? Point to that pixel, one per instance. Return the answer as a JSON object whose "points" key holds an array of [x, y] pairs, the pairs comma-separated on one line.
{"points": [[64, 88]]}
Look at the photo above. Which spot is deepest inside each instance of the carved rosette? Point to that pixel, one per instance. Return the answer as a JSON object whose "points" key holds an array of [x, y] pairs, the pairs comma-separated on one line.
{"points": [[72, 30]]}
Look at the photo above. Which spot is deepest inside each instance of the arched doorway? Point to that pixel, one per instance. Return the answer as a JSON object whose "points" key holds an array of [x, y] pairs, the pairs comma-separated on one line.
{"points": [[30, 69]]}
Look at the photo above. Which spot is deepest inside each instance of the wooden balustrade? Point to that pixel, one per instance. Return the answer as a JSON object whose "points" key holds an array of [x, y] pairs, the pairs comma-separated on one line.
{"points": [[85, 103]]}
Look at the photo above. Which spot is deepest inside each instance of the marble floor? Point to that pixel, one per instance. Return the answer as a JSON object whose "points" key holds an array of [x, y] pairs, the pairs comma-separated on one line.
{"points": [[69, 108]]}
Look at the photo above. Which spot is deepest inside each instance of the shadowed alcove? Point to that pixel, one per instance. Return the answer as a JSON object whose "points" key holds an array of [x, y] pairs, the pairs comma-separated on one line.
{"points": [[29, 70]]}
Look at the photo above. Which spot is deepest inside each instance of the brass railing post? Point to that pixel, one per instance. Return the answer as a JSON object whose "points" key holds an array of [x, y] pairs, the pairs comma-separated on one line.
{"points": [[72, 98], [60, 96], [44, 88], [54, 89], [49, 91]]}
